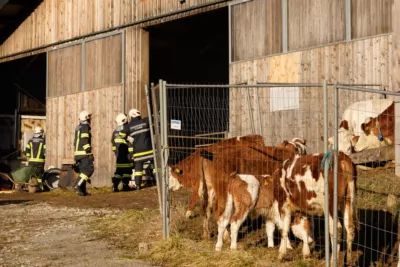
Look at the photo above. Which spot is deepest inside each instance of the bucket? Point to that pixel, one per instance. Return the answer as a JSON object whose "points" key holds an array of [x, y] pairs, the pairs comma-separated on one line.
{"points": [[51, 178]]}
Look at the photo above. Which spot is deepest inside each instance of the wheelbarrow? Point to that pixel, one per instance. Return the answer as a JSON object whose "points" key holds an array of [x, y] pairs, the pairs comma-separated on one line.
{"points": [[22, 176]]}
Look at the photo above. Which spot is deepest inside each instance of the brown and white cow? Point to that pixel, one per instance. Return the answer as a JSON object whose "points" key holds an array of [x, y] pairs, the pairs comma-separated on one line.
{"points": [[296, 145], [267, 197], [303, 180], [377, 131], [201, 172], [352, 119], [192, 167]]}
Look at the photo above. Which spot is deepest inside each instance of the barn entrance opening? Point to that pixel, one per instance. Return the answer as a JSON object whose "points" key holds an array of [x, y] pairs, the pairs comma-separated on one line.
{"points": [[193, 50], [24, 83]]}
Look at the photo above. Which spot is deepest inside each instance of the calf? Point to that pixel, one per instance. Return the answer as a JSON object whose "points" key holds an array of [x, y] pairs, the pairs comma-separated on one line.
{"points": [[267, 197], [192, 166], [378, 131], [196, 173], [303, 180], [347, 139], [297, 146]]}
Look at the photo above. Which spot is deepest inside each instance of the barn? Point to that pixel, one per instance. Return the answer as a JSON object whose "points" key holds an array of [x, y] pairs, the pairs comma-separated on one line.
{"points": [[70, 55]]}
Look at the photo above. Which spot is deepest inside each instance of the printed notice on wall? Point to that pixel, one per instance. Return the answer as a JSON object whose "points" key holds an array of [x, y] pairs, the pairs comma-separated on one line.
{"points": [[176, 124], [284, 98]]}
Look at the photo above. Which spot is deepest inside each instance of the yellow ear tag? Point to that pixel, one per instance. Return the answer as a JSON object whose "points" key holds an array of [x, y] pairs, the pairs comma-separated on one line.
{"points": [[177, 170], [265, 182]]}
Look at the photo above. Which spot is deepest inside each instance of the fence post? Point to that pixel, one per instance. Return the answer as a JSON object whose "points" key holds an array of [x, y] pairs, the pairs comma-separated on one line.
{"points": [[326, 182], [335, 177], [153, 142], [164, 157], [250, 111]]}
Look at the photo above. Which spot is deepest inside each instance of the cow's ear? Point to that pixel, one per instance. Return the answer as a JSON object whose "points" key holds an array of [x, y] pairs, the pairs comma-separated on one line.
{"points": [[363, 127]]}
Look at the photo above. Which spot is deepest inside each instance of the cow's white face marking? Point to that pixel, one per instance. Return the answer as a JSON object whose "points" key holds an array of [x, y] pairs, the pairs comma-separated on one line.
{"points": [[173, 182], [367, 142]]}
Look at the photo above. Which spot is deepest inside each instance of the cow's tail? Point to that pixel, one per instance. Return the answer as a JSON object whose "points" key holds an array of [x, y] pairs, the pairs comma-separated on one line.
{"points": [[352, 195]]}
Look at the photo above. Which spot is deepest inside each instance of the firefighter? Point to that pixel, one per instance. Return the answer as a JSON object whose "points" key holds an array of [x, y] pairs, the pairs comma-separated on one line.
{"points": [[139, 130], [35, 151], [83, 152], [120, 147]]}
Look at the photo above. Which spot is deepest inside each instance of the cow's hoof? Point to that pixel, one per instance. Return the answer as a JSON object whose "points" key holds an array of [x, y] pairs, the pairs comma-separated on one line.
{"points": [[189, 214], [218, 249]]}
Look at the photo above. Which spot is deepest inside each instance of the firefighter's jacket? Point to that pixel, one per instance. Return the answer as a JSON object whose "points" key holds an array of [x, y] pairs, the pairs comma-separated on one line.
{"points": [[121, 147], [139, 130], [35, 150], [82, 141]]}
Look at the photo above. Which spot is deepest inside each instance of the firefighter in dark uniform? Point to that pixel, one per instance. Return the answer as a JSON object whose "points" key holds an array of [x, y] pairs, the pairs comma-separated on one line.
{"points": [[139, 130], [83, 152], [35, 151], [120, 147]]}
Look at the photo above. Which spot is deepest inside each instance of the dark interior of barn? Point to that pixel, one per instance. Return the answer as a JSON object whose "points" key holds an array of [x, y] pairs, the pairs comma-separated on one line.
{"points": [[193, 50], [24, 82]]}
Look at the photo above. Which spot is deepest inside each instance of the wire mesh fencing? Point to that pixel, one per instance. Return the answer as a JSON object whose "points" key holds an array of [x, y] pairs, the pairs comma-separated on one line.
{"points": [[251, 160]]}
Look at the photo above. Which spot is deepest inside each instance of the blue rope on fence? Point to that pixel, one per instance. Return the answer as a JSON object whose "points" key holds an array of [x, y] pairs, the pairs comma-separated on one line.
{"points": [[327, 156]]}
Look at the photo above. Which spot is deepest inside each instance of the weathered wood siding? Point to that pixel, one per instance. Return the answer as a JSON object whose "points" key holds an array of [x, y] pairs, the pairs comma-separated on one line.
{"points": [[57, 20], [370, 17], [315, 22], [365, 61], [62, 118], [136, 68], [103, 62], [256, 29], [65, 71]]}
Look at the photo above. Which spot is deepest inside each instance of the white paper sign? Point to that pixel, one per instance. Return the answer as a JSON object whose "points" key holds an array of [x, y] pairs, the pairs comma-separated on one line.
{"points": [[176, 124], [284, 98]]}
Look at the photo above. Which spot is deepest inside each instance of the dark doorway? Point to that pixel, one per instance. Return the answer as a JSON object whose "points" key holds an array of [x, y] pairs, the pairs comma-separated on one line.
{"points": [[193, 50], [24, 80]]}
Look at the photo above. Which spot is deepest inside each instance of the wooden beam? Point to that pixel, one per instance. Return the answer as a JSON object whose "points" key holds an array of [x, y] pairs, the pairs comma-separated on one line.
{"points": [[385, 153], [395, 86]]}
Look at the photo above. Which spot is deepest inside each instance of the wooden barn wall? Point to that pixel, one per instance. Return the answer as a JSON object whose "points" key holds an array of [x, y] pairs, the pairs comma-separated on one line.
{"points": [[64, 71], [256, 29], [103, 62], [370, 17], [62, 118], [363, 61], [57, 20], [315, 22], [136, 68]]}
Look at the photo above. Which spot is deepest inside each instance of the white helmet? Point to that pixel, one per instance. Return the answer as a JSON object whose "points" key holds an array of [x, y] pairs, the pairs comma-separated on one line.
{"points": [[84, 115], [121, 119], [133, 113], [38, 130]]}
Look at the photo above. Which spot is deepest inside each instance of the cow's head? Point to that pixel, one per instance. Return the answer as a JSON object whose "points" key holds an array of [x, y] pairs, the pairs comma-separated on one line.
{"points": [[303, 228], [174, 173], [297, 145]]}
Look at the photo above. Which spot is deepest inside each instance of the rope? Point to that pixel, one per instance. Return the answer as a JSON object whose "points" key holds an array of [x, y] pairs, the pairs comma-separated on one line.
{"points": [[327, 156]]}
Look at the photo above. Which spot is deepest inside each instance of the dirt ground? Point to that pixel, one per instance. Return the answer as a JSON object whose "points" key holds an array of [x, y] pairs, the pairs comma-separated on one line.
{"points": [[54, 228], [58, 228]]}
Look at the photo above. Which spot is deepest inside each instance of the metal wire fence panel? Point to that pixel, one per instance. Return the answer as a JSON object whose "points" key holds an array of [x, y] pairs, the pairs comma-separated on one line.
{"points": [[366, 132], [223, 141]]}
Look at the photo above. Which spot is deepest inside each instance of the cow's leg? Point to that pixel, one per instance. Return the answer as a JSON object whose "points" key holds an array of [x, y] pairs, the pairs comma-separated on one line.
{"points": [[223, 222], [192, 204], [208, 214], [270, 229], [283, 218], [339, 234], [350, 218], [238, 218]]}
